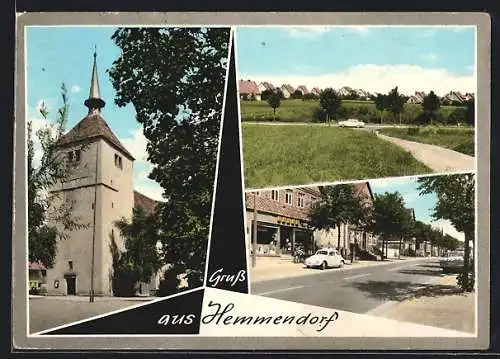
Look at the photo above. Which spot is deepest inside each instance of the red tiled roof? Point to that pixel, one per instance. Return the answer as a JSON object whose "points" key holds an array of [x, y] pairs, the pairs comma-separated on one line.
{"points": [[248, 87], [146, 203], [92, 127]]}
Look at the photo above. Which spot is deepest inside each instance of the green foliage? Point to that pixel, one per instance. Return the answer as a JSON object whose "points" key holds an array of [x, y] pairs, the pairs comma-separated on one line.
{"points": [[395, 102], [390, 217], [50, 214], [381, 104], [170, 282], [309, 96], [456, 203], [297, 94], [274, 100], [330, 102], [124, 277], [470, 114], [174, 78], [431, 105]]}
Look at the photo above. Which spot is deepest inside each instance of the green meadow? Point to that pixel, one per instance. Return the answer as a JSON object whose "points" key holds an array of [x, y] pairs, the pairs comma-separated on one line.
{"points": [[301, 154]]}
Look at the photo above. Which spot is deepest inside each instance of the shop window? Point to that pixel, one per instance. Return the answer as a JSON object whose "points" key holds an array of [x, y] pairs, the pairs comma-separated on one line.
{"points": [[275, 195], [288, 197], [300, 200]]}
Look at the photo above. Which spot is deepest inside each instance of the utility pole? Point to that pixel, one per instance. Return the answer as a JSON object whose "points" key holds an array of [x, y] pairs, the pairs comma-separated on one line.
{"points": [[254, 232], [91, 294]]}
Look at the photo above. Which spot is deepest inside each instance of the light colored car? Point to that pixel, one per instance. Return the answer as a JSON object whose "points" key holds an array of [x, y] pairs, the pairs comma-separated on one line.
{"points": [[324, 258], [452, 261], [352, 122]]}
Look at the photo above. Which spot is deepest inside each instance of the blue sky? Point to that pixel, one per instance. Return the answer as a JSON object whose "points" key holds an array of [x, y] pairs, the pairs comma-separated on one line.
{"points": [[65, 54], [373, 58], [422, 204]]}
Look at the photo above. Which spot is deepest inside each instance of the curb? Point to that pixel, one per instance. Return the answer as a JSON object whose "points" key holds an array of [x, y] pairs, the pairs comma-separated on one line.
{"points": [[346, 267]]}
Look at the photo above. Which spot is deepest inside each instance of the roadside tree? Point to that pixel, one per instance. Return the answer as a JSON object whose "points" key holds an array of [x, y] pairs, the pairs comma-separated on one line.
{"points": [[330, 102], [455, 202], [381, 105], [338, 205], [390, 218], [396, 103], [431, 106]]}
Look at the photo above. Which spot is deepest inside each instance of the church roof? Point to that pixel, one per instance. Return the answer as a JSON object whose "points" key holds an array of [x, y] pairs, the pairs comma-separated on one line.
{"points": [[93, 127], [146, 203]]}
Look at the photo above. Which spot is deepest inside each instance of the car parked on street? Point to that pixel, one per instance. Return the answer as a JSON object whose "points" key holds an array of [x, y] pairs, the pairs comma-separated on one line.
{"points": [[452, 262], [352, 122], [325, 258]]}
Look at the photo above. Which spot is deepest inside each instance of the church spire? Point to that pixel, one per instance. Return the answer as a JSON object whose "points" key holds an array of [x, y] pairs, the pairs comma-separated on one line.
{"points": [[94, 102]]}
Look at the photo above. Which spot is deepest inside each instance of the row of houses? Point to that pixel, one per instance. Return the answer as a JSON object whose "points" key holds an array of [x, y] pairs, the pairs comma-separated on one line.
{"points": [[249, 89], [281, 218], [451, 97]]}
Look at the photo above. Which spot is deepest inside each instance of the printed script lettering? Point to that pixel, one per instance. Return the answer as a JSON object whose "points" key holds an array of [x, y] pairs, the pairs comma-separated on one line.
{"points": [[220, 315], [217, 277]]}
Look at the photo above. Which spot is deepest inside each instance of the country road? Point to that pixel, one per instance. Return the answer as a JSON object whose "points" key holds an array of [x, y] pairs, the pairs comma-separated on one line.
{"points": [[437, 158], [363, 290]]}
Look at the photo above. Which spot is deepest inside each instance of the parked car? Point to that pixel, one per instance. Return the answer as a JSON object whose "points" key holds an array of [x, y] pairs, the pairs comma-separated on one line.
{"points": [[324, 258], [452, 261], [352, 122]]}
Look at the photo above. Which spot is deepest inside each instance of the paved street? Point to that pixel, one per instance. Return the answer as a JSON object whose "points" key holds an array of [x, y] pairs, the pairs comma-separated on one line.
{"points": [[363, 290], [50, 312]]}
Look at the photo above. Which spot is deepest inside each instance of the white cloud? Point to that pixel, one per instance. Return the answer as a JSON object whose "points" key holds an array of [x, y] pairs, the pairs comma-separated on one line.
{"points": [[380, 78], [136, 145], [75, 88], [448, 228], [146, 186], [429, 57], [309, 32]]}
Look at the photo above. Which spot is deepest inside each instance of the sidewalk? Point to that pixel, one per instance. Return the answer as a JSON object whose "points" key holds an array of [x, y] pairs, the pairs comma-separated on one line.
{"points": [[450, 309], [268, 268]]}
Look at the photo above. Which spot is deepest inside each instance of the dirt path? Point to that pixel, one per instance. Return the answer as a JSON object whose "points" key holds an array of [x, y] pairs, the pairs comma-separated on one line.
{"points": [[437, 158]]}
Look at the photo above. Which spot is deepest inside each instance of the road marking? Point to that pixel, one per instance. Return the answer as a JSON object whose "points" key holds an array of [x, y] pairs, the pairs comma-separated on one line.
{"points": [[280, 290], [382, 307], [357, 276]]}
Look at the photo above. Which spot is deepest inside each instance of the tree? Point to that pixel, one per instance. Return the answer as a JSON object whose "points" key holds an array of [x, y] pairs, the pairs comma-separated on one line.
{"points": [[381, 105], [330, 102], [274, 101], [175, 78], [141, 258], [390, 218], [431, 105], [455, 202], [338, 205], [470, 116], [297, 94], [50, 213], [396, 102]]}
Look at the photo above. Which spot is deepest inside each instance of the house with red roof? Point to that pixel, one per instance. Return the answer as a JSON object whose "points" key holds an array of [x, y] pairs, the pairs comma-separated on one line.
{"points": [[249, 90]]}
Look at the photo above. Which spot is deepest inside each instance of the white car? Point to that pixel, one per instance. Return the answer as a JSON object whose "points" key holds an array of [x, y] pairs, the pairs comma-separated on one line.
{"points": [[352, 122], [324, 258]]}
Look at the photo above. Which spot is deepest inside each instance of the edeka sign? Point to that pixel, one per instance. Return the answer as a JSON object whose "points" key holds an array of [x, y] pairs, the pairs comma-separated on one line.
{"points": [[288, 221]]}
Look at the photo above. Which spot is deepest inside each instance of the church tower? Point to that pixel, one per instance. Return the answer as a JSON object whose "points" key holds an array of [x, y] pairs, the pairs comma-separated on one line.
{"points": [[101, 190]]}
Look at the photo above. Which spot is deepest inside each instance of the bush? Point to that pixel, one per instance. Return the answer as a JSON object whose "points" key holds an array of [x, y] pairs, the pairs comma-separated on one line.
{"points": [[466, 147], [170, 283], [413, 130], [124, 282]]}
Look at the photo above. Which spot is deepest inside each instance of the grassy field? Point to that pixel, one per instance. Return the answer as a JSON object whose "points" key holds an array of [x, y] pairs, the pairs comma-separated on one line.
{"points": [[303, 111], [299, 154], [457, 139]]}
